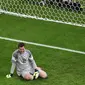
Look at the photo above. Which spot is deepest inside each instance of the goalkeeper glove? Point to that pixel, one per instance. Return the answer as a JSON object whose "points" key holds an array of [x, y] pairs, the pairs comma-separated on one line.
{"points": [[9, 75], [36, 74]]}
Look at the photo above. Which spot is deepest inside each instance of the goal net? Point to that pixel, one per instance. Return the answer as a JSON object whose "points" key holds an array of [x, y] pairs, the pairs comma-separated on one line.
{"points": [[61, 11]]}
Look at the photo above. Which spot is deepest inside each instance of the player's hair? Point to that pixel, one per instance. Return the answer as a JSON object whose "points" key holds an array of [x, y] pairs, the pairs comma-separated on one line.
{"points": [[21, 45]]}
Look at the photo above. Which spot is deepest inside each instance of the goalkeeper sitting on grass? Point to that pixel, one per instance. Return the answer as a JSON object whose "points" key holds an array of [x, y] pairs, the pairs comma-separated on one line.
{"points": [[25, 65]]}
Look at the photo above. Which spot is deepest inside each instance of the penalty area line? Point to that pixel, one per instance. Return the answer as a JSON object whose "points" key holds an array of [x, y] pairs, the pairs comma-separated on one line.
{"points": [[42, 45]]}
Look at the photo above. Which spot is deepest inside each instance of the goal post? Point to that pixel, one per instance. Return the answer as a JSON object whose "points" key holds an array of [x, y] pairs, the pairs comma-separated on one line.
{"points": [[61, 11]]}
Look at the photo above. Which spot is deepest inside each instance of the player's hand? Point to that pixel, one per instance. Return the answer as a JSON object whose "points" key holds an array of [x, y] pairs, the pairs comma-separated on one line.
{"points": [[8, 75], [36, 75]]}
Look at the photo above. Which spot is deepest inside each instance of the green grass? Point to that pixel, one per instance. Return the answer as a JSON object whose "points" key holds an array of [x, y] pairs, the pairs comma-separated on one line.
{"points": [[63, 68]]}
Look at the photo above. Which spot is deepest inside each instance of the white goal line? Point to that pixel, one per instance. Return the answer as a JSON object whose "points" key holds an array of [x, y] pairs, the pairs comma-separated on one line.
{"points": [[42, 45], [39, 18]]}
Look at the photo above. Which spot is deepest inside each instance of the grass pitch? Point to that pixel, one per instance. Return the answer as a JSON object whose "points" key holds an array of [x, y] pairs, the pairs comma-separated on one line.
{"points": [[63, 68]]}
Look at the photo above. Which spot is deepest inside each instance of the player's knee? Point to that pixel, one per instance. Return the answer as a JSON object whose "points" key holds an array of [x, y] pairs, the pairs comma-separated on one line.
{"points": [[43, 75], [28, 77]]}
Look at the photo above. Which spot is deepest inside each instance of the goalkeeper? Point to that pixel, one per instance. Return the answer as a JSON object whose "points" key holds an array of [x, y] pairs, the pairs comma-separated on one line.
{"points": [[25, 65]]}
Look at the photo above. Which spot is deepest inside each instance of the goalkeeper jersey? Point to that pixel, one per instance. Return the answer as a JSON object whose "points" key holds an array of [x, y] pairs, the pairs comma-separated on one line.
{"points": [[23, 62]]}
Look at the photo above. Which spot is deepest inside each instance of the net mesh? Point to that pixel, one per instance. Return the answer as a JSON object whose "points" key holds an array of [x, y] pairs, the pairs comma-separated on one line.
{"points": [[60, 10]]}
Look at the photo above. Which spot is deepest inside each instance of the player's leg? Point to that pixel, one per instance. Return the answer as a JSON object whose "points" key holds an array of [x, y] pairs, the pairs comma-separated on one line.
{"points": [[27, 76], [42, 73]]}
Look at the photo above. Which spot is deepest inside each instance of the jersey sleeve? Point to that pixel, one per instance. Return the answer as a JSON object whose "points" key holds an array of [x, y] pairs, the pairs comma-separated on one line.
{"points": [[14, 57], [32, 60], [12, 68]]}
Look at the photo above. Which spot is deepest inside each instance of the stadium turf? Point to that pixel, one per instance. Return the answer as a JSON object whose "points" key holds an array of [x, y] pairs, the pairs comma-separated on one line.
{"points": [[63, 68]]}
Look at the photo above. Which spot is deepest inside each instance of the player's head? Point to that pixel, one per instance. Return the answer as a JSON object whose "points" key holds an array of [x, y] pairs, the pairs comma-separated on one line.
{"points": [[21, 47]]}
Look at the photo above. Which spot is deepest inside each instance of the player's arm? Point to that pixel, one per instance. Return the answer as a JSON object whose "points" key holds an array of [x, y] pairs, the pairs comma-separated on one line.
{"points": [[33, 63], [12, 66], [32, 60], [13, 60], [11, 71]]}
